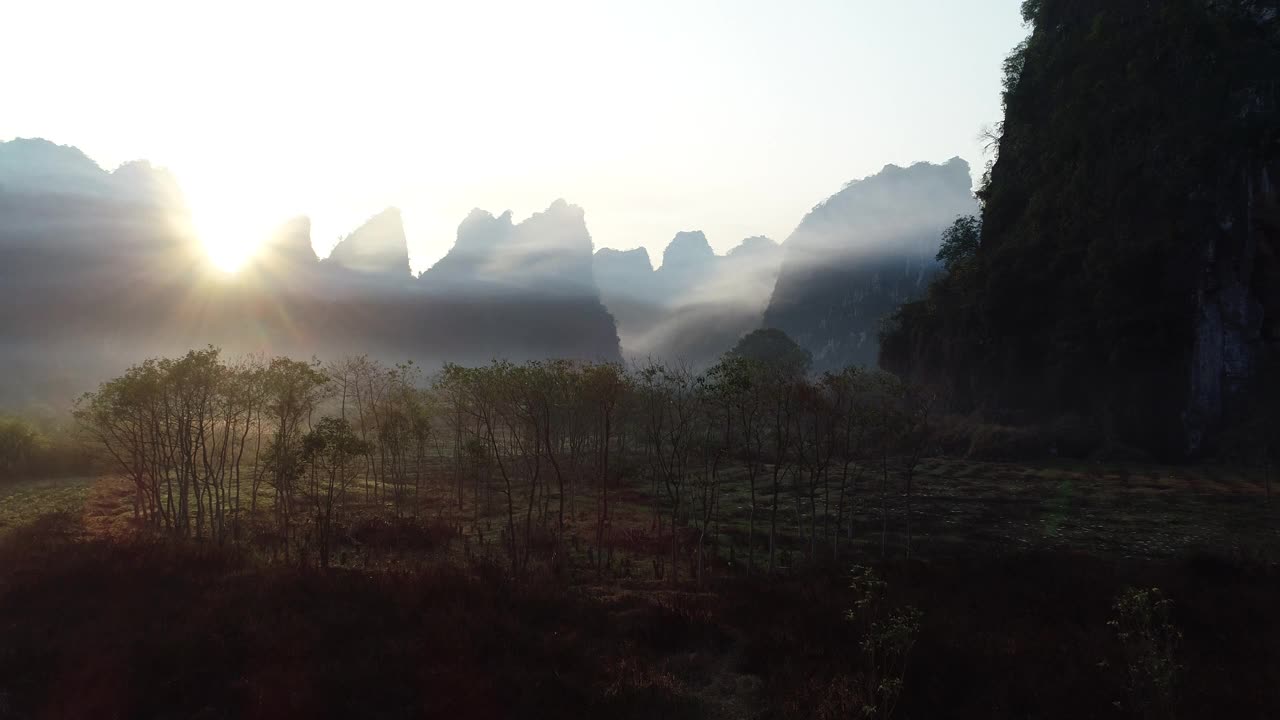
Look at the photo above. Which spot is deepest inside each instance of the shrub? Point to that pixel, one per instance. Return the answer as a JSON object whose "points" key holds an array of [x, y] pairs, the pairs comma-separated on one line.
{"points": [[1003, 442], [1144, 627], [887, 639], [41, 450]]}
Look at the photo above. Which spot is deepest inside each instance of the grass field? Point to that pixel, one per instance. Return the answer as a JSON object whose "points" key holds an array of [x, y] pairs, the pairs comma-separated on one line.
{"points": [[963, 508], [1016, 568], [1103, 510], [23, 501], [958, 508]]}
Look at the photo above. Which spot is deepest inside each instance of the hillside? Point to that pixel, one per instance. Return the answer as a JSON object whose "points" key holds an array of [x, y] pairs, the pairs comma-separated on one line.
{"points": [[860, 254], [695, 305], [1127, 268], [104, 265]]}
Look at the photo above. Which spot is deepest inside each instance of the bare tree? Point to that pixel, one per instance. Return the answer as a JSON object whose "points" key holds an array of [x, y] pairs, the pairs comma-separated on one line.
{"points": [[328, 450]]}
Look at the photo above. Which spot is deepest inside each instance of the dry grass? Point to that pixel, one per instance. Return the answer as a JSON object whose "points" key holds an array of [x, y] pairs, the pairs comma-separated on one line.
{"points": [[959, 507], [1016, 569], [24, 501]]}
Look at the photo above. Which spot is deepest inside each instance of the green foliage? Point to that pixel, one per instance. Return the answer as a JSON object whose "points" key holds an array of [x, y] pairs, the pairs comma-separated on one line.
{"points": [[1144, 626], [332, 443], [1030, 9], [1012, 69], [17, 443], [888, 635], [1132, 137], [960, 243], [289, 451], [41, 448], [772, 348]]}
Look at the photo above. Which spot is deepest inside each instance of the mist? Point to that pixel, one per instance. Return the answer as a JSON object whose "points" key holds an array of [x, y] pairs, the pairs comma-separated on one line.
{"points": [[114, 260], [861, 254], [675, 359], [105, 269], [696, 304]]}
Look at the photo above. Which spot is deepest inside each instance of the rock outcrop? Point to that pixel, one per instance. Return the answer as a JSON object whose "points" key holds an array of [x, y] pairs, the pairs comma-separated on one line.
{"points": [[548, 253], [378, 247], [860, 254], [1127, 271], [696, 305]]}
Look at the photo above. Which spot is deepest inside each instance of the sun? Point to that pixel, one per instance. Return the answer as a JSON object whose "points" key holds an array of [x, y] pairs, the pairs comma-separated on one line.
{"points": [[230, 241], [227, 257]]}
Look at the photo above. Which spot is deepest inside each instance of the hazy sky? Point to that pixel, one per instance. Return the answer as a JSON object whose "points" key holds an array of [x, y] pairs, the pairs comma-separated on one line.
{"points": [[730, 117]]}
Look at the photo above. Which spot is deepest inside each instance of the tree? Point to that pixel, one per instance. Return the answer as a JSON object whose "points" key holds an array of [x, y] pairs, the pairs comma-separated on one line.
{"points": [[781, 394], [773, 349], [668, 408], [1089, 277], [740, 384], [328, 451], [482, 394], [179, 429], [849, 395], [960, 244], [17, 442], [603, 388], [293, 390], [122, 419]]}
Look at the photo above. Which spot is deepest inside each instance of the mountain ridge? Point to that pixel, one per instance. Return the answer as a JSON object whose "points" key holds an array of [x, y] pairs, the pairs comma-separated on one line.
{"points": [[858, 255]]}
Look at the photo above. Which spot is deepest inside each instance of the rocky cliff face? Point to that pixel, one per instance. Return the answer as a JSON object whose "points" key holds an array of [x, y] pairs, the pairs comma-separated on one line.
{"points": [[687, 262], [1236, 318], [548, 253], [696, 305], [624, 272], [1127, 270], [378, 247], [521, 290], [290, 244], [88, 261], [862, 253]]}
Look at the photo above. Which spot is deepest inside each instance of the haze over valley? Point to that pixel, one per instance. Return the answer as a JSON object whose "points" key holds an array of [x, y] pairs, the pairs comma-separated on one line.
{"points": [[114, 258], [679, 359]]}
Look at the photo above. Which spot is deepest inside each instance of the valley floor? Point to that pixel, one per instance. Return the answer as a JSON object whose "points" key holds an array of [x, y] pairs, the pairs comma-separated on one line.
{"points": [[1015, 570]]}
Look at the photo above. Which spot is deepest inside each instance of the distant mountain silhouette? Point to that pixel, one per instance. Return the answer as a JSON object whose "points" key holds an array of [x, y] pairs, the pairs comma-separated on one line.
{"points": [[39, 167], [88, 259], [852, 261], [290, 243], [856, 257], [34, 165], [628, 271], [686, 262], [696, 305], [103, 268], [549, 253], [378, 247]]}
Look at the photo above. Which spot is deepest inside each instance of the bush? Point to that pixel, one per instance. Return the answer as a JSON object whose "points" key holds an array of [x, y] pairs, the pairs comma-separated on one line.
{"points": [[1144, 626], [17, 443], [979, 439], [1003, 442], [401, 534], [29, 450]]}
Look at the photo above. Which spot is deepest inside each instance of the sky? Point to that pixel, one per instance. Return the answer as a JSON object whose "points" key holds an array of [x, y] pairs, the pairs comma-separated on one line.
{"points": [[733, 117]]}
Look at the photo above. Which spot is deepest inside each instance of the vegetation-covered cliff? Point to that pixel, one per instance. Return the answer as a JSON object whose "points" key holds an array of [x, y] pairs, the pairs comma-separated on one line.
{"points": [[1127, 267], [862, 253]]}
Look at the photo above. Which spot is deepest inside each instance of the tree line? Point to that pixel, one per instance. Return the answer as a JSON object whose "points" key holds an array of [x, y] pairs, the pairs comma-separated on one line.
{"points": [[695, 470]]}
